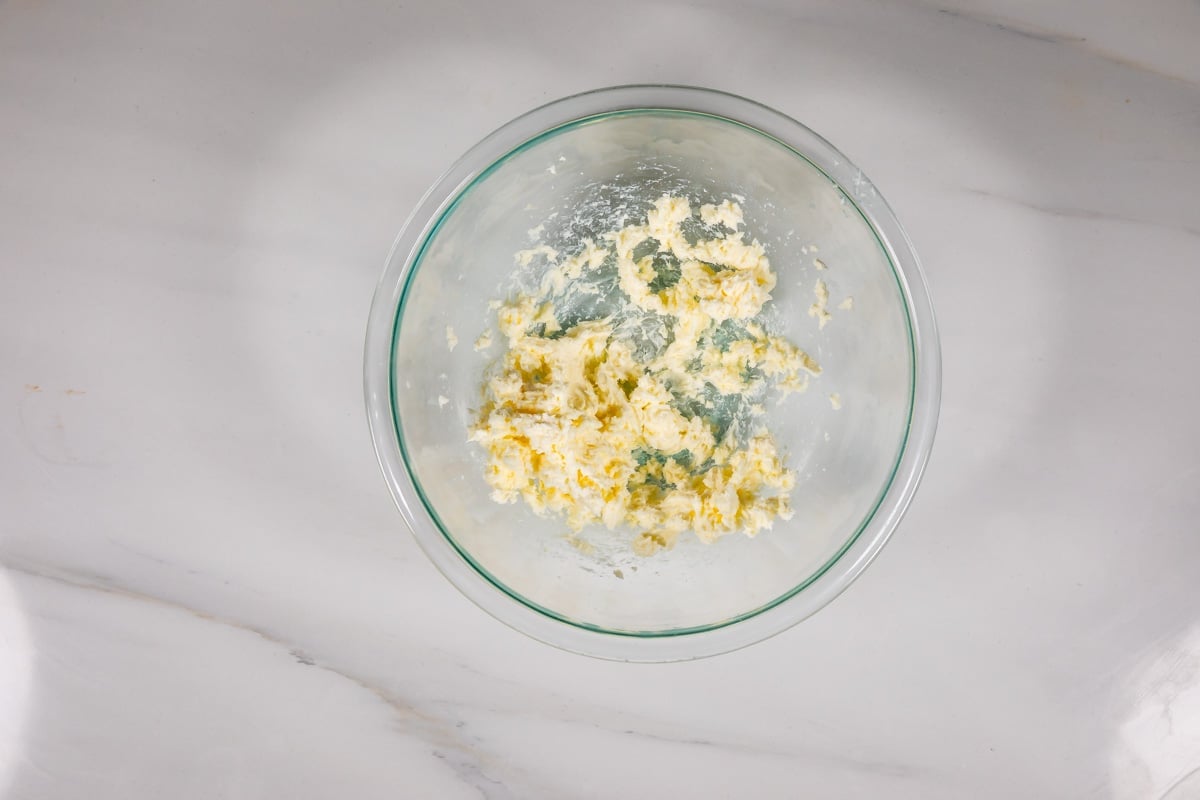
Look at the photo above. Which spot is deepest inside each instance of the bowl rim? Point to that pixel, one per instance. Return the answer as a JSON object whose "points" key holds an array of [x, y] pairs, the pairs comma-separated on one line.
{"points": [[757, 624]]}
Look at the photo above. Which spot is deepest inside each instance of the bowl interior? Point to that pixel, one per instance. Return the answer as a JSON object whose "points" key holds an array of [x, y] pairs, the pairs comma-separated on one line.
{"points": [[583, 179]]}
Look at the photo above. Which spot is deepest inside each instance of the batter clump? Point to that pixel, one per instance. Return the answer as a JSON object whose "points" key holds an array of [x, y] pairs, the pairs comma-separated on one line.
{"points": [[631, 389]]}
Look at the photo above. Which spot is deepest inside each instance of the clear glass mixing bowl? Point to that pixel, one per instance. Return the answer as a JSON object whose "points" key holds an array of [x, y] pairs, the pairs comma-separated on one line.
{"points": [[615, 151]]}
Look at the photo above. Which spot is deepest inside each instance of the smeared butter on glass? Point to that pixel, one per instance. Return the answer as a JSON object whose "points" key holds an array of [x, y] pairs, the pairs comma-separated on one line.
{"points": [[630, 392]]}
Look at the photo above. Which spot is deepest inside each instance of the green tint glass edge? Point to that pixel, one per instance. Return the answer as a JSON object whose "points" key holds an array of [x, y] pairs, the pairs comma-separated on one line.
{"points": [[398, 427]]}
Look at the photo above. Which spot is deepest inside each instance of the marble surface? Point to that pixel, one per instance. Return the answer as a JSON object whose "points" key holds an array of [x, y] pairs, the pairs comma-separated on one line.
{"points": [[206, 592]]}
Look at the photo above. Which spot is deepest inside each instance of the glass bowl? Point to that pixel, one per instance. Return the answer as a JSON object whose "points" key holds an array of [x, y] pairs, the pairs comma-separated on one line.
{"points": [[857, 439]]}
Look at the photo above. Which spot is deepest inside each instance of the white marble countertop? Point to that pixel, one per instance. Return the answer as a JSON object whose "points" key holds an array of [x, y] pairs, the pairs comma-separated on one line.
{"points": [[206, 592]]}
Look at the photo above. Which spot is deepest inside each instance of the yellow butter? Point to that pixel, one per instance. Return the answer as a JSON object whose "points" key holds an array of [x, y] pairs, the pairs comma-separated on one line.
{"points": [[581, 423]]}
